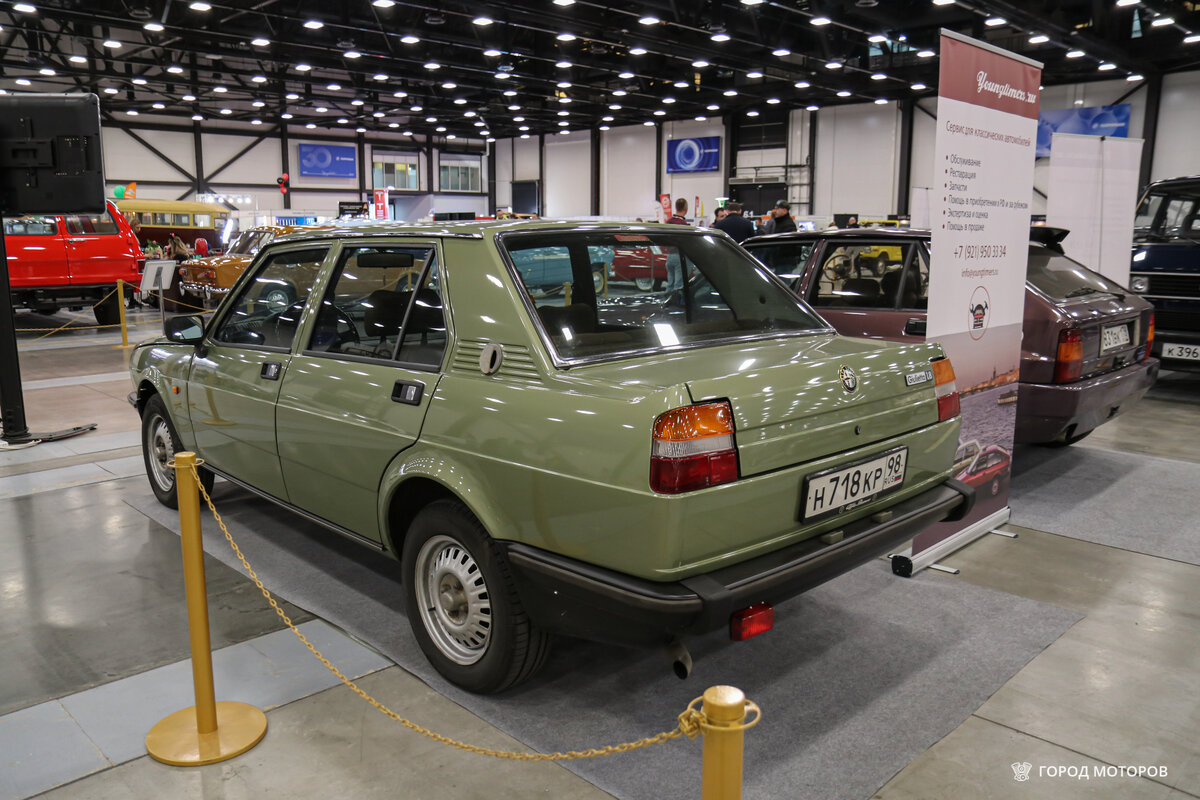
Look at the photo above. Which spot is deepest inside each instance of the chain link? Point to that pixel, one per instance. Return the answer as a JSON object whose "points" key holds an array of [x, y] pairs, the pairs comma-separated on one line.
{"points": [[690, 725]]}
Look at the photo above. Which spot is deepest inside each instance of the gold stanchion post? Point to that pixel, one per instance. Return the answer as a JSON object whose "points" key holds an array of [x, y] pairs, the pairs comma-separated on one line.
{"points": [[121, 305], [725, 713], [209, 731]]}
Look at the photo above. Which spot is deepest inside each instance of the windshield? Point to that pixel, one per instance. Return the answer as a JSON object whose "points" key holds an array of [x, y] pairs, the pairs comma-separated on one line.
{"points": [[603, 293], [1060, 278], [247, 242], [1172, 214]]}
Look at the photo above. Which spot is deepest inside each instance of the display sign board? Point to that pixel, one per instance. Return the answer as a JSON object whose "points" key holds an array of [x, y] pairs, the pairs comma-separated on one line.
{"points": [[1091, 121], [664, 200], [353, 208], [382, 208], [158, 275], [328, 161], [51, 158], [986, 134], [701, 154], [1093, 193]]}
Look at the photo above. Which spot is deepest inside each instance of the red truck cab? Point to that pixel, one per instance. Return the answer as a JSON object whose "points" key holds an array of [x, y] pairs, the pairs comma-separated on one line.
{"points": [[71, 261]]}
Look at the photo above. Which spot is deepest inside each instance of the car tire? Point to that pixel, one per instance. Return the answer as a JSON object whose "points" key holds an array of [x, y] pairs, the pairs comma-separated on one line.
{"points": [[160, 443], [995, 486], [463, 605], [108, 311], [648, 284]]}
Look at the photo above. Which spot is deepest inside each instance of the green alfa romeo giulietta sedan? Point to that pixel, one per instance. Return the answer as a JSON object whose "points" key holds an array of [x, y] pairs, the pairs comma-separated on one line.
{"points": [[590, 459]]}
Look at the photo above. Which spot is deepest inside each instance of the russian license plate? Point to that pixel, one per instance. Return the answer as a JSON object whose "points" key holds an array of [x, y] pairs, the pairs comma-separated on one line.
{"points": [[844, 488], [1113, 337], [1189, 352]]}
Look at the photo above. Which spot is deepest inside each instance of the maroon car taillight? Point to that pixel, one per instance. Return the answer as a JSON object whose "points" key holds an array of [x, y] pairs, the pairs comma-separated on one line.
{"points": [[945, 389], [693, 448], [1068, 366], [1150, 335]]}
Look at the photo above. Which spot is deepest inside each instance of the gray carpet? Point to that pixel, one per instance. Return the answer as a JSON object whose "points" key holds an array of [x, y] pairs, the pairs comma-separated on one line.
{"points": [[858, 678], [1135, 502]]}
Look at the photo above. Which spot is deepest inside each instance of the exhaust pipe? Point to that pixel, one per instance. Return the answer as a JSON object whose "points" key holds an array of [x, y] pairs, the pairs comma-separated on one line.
{"points": [[681, 660]]}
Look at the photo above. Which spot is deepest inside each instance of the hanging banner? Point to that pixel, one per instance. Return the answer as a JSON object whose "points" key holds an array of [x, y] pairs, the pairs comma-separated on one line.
{"points": [[1093, 193], [382, 208], [665, 201], [986, 139]]}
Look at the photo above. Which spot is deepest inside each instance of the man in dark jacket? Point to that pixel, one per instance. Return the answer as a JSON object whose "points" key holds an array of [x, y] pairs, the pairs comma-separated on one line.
{"points": [[780, 221], [738, 227]]}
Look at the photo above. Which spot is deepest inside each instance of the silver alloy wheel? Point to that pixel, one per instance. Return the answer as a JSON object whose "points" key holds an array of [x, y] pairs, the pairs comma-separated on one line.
{"points": [[456, 609], [161, 450], [645, 284], [276, 298]]}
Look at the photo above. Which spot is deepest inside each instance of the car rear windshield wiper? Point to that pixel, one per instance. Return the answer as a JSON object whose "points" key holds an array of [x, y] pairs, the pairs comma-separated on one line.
{"points": [[1085, 291]]}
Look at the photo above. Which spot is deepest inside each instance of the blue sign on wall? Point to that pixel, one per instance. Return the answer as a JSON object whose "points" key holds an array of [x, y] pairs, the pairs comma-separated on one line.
{"points": [[328, 161], [702, 154], [1094, 121]]}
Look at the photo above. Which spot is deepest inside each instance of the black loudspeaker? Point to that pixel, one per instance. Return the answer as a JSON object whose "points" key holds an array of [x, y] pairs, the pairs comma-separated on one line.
{"points": [[51, 159]]}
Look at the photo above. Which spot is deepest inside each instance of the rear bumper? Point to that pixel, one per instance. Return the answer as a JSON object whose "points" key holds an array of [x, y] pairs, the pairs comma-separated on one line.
{"points": [[205, 290], [1045, 411], [1177, 337], [567, 596]]}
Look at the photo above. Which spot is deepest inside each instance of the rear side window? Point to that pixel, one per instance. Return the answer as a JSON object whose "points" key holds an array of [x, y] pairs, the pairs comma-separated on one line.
{"points": [[203, 220], [1060, 278], [30, 226], [92, 223], [181, 219], [786, 259], [866, 274]]}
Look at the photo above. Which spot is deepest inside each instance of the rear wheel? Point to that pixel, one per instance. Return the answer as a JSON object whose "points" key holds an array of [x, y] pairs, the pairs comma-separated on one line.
{"points": [[647, 284], [108, 311], [462, 604], [160, 443]]}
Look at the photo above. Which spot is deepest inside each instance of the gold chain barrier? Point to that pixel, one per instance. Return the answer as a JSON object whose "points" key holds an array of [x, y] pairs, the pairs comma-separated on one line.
{"points": [[721, 717]]}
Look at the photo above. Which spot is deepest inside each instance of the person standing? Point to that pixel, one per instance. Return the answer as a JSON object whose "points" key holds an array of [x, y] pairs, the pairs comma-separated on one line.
{"points": [[780, 221], [738, 227], [680, 215], [674, 262]]}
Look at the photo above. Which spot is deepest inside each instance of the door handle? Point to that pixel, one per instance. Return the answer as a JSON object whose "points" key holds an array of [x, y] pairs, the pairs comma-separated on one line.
{"points": [[271, 370], [408, 392], [76, 241], [915, 327]]}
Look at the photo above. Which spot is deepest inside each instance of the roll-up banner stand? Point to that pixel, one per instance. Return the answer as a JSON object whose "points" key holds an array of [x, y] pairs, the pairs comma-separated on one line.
{"points": [[1093, 193], [986, 139]]}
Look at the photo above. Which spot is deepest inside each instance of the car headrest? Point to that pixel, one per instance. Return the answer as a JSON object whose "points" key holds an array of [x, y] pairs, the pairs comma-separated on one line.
{"points": [[385, 312]]}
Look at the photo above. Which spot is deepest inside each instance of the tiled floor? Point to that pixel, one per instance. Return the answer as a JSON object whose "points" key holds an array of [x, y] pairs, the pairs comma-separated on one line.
{"points": [[91, 644]]}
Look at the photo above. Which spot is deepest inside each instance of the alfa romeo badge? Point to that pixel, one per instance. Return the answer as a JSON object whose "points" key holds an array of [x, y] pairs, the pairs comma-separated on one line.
{"points": [[849, 379]]}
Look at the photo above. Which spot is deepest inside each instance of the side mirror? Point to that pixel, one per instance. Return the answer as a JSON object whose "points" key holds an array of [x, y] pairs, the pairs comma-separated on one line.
{"points": [[185, 329], [914, 327]]}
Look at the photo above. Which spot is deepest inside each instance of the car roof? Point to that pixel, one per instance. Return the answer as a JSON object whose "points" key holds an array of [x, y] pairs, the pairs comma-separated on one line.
{"points": [[842, 233], [1188, 182], [475, 229]]}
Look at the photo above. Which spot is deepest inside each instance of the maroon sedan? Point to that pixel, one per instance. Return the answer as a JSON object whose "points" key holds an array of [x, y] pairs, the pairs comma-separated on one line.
{"points": [[1085, 350]]}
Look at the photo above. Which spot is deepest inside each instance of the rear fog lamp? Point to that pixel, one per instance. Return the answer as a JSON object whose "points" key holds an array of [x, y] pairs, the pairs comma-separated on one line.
{"points": [[750, 622], [945, 389]]}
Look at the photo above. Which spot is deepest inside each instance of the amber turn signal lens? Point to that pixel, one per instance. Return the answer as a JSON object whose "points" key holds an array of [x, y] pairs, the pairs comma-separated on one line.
{"points": [[945, 389], [694, 422], [1068, 366]]}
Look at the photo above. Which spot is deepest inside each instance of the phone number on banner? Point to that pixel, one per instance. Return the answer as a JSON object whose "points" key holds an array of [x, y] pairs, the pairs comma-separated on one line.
{"points": [[980, 251]]}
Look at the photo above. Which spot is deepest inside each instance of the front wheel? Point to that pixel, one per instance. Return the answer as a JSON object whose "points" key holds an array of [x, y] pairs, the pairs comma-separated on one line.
{"points": [[462, 604], [160, 443], [648, 284]]}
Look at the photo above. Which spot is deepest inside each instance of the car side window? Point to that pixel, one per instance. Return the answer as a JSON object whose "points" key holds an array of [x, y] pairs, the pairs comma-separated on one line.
{"points": [[786, 259], [30, 226], [368, 299], [860, 274], [914, 288], [424, 338], [266, 312], [91, 223]]}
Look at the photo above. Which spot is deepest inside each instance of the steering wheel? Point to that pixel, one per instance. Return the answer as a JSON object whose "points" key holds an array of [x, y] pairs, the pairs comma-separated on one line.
{"points": [[340, 317], [836, 267]]}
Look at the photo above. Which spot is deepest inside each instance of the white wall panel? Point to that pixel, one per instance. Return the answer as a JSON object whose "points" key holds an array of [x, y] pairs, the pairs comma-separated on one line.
{"points": [[705, 185], [526, 164], [924, 136], [502, 157], [125, 159], [260, 165], [568, 189], [627, 164], [856, 160], [1175, 151]]}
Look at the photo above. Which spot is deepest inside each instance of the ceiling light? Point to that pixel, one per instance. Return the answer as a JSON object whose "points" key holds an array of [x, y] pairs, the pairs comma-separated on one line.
{"points": [[802, 84], [1123, 3], [432, 65], [843, 93], [773, 101], [524, 135], [285, 115], [648, 123], [510, 93], [563, 65], [83, 60], [1106, 66], [260, 42], [383, 3], [649, 20], [1135, 77], [564, 100], [879, 76], [153, 27], [158, 106], [343, 121], [415, 109], [564, 3], [1160, 22], [220, 89], [303, 68], [813, 108], [637, 51], [351, 54], [819, 21], [720, 36], [730, 92], [197, 117], [440, 129], [602, 127], [356, 102], [483, 22], [625, 75], [310, 125], [259, 79], [25, 82], [377, 114], [995, 22], [700, 63], [258, 104], [502, 76], [563, 84], [877, 38], [1039, 38], [751, 113], [292, 96], [833, 65], [753, 2], [943, 2], [24, 8], [609, 118], [314, 24], [226, 111], [1191, 38], [563, 123], [619, 93], [754, 74], [881, 101], [1075, 54], [522, 127], [565, 37], [780, 52], [917, 87], [320, 109], [393, 124], [48, 71], [431, 119], [926, 54], [187, 98], [514, 107], [492, 53], [460, 101], [668, 100], [199, 5], [256, 122], [333, 87], [410, 39], [112, 43], [449, 85]]}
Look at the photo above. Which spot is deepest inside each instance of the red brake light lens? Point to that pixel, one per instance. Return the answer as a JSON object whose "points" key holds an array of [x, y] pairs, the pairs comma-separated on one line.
{"points": [[945, 389], [750, 622], [693, 449], [1150, 335], [1068, 366]]}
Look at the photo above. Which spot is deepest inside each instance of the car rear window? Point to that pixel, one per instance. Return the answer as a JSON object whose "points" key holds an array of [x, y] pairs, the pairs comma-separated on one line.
{"points": [[92, 223], [711, 291], [1060, 278]]}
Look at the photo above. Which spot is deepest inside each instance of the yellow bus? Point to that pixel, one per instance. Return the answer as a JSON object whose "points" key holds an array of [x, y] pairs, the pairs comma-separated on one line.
{"points": [[156, 220]]}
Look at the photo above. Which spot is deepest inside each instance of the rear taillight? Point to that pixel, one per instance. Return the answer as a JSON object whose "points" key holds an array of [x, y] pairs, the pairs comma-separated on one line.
{"points": [[693, 449], [1150, 335], [945, 389], [140, 265], [1068, 366], [752, 621]]}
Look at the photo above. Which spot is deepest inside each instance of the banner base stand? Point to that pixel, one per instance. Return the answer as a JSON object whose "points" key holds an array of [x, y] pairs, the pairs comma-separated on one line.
{"points": [[1005, 534], [906, 564], [943, 568]]}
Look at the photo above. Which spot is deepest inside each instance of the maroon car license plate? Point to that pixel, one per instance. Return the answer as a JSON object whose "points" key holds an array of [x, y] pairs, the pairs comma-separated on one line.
{"points": [[1114, 337], [843, 488]]}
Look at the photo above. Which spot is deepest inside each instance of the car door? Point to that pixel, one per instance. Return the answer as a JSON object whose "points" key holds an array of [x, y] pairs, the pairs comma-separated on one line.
{"points": [[97, 250], [236, 374], [357, 392], [37, 252]]}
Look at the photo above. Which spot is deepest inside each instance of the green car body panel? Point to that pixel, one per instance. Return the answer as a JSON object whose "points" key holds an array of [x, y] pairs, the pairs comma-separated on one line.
{"points": [[550, 455]]}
